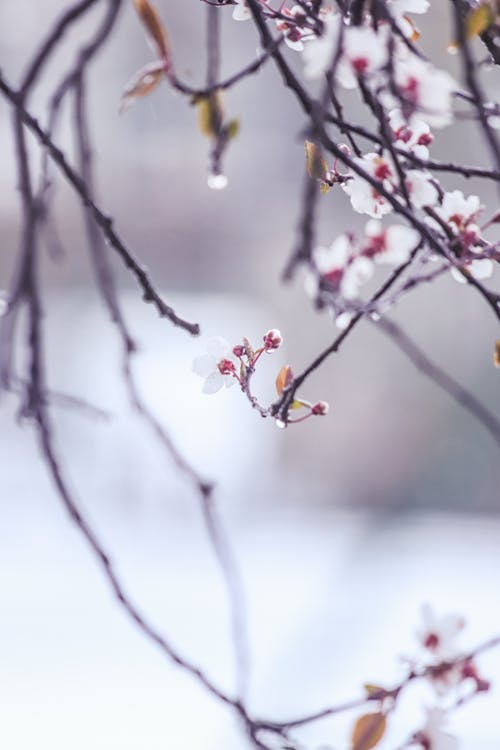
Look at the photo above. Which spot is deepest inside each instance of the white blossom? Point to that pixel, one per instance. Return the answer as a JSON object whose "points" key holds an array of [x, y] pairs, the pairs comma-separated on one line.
{"points": [[425, 89], [241, 12], [334, 257], [365, 199], [399, 10], [318, 52], [438, 635], [413, 135], [294, 33], [364, 52], [216, 366], [457, 211], [421, 188], [432, 736], [392, 245], [357, 273]]}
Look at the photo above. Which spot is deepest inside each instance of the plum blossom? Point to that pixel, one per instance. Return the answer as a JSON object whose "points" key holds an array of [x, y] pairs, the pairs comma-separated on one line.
{"points": [[399, 9], [364, 52], [217, 366], [318, 52], [320, 409], [414, 136], [421, 188], [438, 635], [425, 89], [460, 214], [357, 273], [241, 12], [365, 199], [392, 245], [340, 268], [432, 736], [293, 31], [272, 340]]}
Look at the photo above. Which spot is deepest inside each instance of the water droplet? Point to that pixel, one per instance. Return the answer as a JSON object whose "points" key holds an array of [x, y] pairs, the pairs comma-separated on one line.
{"points": [[217, 181], [375, 316], [280, 424]]}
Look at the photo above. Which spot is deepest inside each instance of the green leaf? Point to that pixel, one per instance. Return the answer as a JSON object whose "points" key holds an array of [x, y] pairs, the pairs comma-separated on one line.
{"points": [[233, 128], [210, 114]]}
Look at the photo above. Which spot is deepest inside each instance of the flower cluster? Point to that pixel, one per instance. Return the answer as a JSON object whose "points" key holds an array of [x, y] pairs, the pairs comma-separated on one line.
{"points": [[349, 263], [448, 669], [224, 365]]}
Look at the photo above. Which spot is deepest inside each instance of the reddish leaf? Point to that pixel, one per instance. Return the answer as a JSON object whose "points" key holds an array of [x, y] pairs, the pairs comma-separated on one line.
{"points": [[154, 26], [496, 355], [285, 377], [144, 81], [368, 731]]}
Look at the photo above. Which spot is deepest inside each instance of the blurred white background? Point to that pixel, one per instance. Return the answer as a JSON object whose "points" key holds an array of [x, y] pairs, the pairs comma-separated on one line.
{"points": [[342, 527]]}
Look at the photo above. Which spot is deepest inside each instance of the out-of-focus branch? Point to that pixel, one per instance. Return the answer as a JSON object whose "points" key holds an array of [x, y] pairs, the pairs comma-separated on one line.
{"points": [[150, 294]]}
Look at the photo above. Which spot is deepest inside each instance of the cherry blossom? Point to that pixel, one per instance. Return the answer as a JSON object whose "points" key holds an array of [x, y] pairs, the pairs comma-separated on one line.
{"points": [[432, 736], [357, 273], [421, 188], [293, 31], [241, 12], [364, 52], [425, 89], [392, 245], [318, 52], [321, 408], [399, 9], [217, 366], [365, 199], [460, 214], [414, 136], [272, 340], [438, 635]]}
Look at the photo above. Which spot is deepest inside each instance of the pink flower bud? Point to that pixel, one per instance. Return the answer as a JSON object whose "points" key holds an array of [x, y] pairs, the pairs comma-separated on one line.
{"points": [[320, 408], [226, 367], [345, 149], [238, 350], [272, 339]]}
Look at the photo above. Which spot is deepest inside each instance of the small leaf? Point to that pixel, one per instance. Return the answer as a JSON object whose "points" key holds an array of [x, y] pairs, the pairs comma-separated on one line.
{"points": [[285, 377], [298, 404], [210, 114], [368, 731], [142, 84], [373, 690], [233, 128], [496, 355], [315, 163], [154, 26], [478, 20]]}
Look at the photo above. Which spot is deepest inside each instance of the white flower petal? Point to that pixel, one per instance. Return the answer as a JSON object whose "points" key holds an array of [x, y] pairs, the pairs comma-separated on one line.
{"points": [[218, 347], [204, 365], [213, 383]]}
